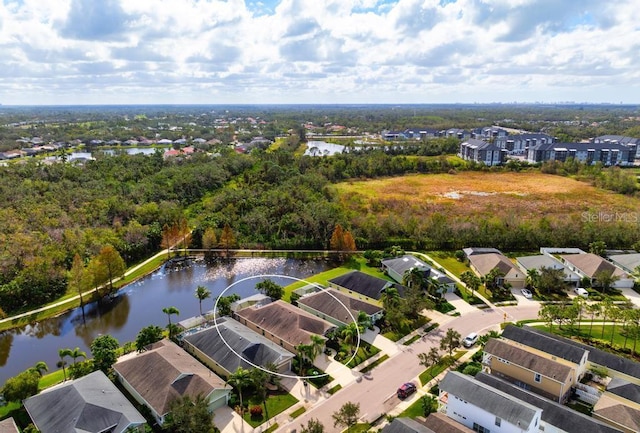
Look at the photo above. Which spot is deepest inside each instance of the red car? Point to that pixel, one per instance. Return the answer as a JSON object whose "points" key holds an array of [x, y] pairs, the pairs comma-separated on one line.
{"points": [[406, 390]]}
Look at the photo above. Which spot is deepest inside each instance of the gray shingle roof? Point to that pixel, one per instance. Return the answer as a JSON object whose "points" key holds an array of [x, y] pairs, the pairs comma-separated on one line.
{"points": [[406, 425], [528, 360], [552, 413], [362, 283], [541, 341], [326, 302], [89, 404], [404, 263], [624, 389], [251, 345], [597, 356], [514, 411], [166, 372]]}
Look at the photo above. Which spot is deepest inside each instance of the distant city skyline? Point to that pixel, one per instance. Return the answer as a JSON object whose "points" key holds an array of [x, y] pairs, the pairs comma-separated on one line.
{"points": [[94, 52]]}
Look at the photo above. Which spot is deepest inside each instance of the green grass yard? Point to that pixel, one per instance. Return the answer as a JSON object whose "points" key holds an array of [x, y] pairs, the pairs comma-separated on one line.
{"points": [[276, 403]]}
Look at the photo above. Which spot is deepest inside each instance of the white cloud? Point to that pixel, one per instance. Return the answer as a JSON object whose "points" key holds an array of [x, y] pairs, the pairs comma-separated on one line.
{"points": [[218, 51]]}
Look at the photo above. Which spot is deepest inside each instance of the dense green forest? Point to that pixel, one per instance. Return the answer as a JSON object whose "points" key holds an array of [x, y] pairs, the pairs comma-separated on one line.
{"points": [[269, 199]]}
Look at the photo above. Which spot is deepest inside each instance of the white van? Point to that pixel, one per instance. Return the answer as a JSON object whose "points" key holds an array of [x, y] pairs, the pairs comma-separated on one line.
{"points": [[470, 340]]}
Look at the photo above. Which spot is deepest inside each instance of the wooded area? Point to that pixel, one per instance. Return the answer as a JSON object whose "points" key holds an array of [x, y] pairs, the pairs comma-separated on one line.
{"points": [[276, 198]]}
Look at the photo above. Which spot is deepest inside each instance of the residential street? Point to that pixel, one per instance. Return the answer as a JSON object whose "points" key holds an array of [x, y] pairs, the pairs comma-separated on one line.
{"points": [[377, 395]]}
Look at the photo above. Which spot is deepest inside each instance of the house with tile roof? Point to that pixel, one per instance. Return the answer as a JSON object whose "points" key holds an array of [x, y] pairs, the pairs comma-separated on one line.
{"points": [[282, 323], [588, 265], [228, 345], [91, 404], [544, 376], [337, 307], [482, 264], [165, 372], [485, 409], [556, 417]]}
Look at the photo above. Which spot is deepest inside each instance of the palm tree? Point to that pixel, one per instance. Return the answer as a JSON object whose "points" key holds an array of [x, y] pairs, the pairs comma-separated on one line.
{"points": [[471, 281], [390, 298], [169, 311], [77, 353], [363, 320], [636, 274], [202, 293], [240, 379], [304, 353], [40, 367], [349, 333], [532, 278], [414, 277], [62, 353], [317, 344]]}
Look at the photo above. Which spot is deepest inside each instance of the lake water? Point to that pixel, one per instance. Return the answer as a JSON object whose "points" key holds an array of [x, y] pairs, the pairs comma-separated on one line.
{"points": [[140, 304]]}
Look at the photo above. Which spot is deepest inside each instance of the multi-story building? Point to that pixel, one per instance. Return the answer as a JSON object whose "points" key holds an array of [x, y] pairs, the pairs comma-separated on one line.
{"points": [[482, 152], [589, 153]]}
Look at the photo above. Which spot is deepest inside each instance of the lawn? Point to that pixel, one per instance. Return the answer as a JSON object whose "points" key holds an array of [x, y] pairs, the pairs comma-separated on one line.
{"points": [[51, 379], [441, 366], [374, 364], [296, 413], [416, 409], [276, 403], [447, 260], [358, 428], [596, 333], [354, 263], [395, 335], [365, 351]]}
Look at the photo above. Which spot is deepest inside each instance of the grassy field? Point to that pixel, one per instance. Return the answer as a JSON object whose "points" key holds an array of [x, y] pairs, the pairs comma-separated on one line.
{"points": [[596, 333], [446, 361], [527, 196], [355, 263]]}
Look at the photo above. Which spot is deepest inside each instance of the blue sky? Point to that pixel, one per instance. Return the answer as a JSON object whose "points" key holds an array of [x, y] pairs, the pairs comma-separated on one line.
{"points": [[318, 51]]}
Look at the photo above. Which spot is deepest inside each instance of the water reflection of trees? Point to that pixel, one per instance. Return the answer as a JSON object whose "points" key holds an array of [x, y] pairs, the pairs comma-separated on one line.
{"points": [[102, 318], [6, 340]]}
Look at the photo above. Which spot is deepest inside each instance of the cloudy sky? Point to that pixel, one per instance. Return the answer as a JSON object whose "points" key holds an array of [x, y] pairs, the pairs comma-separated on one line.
{"points": [[318, 51]]}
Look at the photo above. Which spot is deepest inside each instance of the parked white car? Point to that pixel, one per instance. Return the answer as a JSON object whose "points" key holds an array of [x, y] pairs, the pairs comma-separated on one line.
{"points": [[581, 292]]}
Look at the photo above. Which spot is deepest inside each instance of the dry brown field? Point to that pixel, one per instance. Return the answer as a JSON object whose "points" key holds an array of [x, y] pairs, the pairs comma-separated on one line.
{"points": [[465, 195]]}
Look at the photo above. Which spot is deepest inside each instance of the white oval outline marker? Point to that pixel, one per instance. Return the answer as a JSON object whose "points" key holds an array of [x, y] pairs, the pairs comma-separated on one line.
{"points": [[215, 317]]}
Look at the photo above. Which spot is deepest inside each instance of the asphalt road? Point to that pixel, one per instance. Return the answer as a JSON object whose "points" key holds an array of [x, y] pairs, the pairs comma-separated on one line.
{"points": [[377, 395]]}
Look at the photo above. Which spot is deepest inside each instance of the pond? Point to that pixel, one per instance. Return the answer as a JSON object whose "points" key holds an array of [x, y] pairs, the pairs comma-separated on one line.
{"points": [[140, 304]]}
